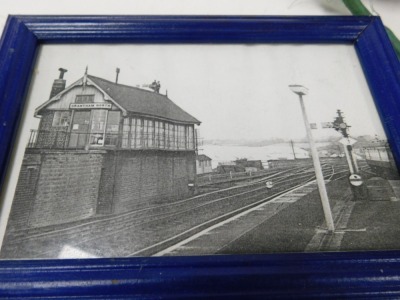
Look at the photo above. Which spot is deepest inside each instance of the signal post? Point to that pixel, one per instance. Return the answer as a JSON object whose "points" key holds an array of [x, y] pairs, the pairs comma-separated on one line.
{"points": [[356, 181]]}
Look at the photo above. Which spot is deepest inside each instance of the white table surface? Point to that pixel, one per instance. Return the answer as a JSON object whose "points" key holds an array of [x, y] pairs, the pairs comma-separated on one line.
{"points": [[389, 10]]}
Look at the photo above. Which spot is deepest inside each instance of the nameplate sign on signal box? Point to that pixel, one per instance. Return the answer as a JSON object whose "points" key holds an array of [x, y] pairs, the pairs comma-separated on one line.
{"points": [[90, 105]]}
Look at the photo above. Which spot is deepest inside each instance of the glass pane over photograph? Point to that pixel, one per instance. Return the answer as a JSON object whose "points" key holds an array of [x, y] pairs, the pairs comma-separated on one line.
{"points": [[160, 150]]}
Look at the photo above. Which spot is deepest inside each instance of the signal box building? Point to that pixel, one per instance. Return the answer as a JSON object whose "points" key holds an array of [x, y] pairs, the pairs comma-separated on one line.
{"points": [[103, 148]]}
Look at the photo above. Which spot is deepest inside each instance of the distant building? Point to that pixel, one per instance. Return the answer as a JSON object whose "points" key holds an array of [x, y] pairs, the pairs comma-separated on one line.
{"points": [[203, 164], [380, 159], [226, 169], [240, 165], [250, 165], [103, 148]]}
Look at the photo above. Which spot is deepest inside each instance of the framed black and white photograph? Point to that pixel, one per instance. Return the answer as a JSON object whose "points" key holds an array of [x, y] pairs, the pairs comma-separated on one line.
{"points": [[200, 149], [210, 147]]}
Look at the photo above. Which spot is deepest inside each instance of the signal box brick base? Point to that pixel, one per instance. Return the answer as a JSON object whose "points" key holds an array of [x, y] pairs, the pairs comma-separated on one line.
{"points": [[61, 186]]}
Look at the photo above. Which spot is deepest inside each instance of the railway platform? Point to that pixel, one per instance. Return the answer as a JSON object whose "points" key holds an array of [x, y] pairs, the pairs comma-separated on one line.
{"points": [[359, 225]]}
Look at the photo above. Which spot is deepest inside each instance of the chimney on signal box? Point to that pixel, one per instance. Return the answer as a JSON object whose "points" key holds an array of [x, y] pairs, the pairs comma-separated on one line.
{"points": [[58, 84], [116, 78]]}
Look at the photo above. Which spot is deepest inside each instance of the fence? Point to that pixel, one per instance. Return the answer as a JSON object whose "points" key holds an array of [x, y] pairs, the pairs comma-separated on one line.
{"points": [[79, 140]]}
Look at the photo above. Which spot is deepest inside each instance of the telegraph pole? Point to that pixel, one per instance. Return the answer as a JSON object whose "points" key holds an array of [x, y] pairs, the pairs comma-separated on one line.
{"points": [[294, 153], [301, 91]]}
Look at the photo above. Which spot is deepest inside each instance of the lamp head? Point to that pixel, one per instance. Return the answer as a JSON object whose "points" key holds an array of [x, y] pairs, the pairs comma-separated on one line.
{"points": [[298, 89]]}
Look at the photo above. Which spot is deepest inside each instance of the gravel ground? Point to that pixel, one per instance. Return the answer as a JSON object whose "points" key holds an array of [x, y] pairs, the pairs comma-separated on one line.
{"points": [[381, 219], [292, 229], [373, 225]]}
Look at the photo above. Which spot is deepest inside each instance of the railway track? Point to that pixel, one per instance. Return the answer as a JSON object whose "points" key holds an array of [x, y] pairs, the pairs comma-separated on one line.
{"points": [[130, 233], [163, 247], [55, 229]]}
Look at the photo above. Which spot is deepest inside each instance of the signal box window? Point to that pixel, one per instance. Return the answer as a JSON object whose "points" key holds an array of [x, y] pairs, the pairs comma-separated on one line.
{"points": [[61, 119], [112, 128], [84, 99]]}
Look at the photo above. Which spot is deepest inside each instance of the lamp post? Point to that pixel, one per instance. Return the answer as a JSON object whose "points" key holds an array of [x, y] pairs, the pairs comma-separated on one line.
{"points": [[301, 91]]}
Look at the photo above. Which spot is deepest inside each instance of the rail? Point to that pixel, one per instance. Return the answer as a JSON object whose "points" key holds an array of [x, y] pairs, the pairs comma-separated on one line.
{"points": [[210, 178]]}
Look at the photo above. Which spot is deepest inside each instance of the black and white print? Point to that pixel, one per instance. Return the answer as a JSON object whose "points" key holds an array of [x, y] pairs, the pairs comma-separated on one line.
{"points": [[159, 150]]}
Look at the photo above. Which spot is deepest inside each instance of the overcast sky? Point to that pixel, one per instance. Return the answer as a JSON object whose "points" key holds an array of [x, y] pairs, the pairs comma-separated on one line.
{"points": [[236, 91]]}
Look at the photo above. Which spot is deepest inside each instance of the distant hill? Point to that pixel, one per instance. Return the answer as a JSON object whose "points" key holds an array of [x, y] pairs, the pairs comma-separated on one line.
{"points": [[248, 143], [267, 142]]}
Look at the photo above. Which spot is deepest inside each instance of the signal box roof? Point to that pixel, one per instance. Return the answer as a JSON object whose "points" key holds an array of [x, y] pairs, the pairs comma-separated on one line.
{"points": [[203, 157], [143, 102], [131, 100]]}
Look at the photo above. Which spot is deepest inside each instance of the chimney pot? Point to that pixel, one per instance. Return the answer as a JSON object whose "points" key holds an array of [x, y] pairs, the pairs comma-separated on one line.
{"points": [[58, 84], [62, 71], [116, 79]]}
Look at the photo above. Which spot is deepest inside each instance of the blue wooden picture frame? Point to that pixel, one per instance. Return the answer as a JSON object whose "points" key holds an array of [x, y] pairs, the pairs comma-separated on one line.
{"points": [[299, 275]]}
